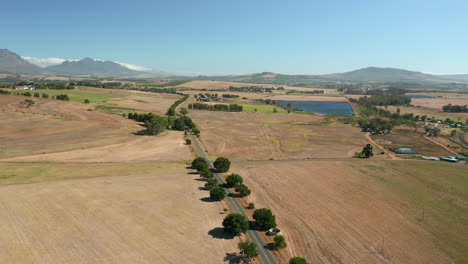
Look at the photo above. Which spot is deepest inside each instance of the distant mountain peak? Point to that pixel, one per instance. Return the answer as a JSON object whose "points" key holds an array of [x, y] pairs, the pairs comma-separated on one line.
{"points": [[89, 66], [11, 62]]}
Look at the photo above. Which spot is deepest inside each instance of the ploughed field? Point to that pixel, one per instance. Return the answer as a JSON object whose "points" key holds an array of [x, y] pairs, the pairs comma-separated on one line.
{"points": [[364, 211], [106, 213], [261, 136]]}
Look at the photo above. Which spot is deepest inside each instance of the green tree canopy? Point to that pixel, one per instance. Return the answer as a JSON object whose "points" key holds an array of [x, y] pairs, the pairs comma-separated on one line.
{"points": [[235, 224], [243, 190], [280, 242], [222, 164], [233, 179], [217, 193], [264, 219], [248, 249], [297, 260]]}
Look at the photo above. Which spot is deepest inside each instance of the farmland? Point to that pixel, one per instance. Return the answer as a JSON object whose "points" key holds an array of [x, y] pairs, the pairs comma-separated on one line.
{"points": [[106, 213], [340, 211], [83, 168]]}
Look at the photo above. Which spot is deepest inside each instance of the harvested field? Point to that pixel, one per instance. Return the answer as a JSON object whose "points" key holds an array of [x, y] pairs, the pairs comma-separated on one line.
{"points": [[150, 213], [258, 136], [440, 100], [364, 211], [429, 112], [55, 130], [149, 102], [405, 136]]}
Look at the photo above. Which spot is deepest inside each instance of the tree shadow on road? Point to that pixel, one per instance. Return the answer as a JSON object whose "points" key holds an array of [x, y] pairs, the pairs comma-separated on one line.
{"points": [[219, 233]]}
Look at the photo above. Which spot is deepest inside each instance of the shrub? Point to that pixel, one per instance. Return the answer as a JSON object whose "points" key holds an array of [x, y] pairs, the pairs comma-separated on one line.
{"points": [[207, 174], [297, 260], [243, 190], [222, 164], [217, 193], [248, 249], [188, 141], [280, 242], [233, 180], [211, 183], [264, 219], [251, 206], [198, 162], [86, 101], [235, 224]]}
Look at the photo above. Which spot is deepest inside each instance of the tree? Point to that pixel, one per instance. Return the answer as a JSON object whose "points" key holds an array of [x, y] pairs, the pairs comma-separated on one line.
{"points": [[196, 131], [280, 242], [222, 164], [297, 260], [264, 219], [235, 224], [28, 102], [251, 206], [367, 151], [86, 101], [248, 249], [217, 193], [233, 179], [199, 164], [188, 141], [155, 125], [243, 190], [211, 183], [207, 174], [184, 111]]}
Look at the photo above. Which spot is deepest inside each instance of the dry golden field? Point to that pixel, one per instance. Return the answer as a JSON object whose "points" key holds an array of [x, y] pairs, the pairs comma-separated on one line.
{"points": [[364, 211]]}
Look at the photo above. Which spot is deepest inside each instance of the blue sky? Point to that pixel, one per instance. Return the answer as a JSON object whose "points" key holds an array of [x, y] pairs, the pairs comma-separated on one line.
{"points": [[235, 37]]}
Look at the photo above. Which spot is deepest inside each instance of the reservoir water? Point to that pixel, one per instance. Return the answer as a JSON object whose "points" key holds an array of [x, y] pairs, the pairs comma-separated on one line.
{"points": [[326, 108]]}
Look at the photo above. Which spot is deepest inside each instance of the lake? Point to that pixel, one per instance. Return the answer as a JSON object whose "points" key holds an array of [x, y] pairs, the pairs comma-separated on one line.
{"points": [[326, 108], [418, 96]]}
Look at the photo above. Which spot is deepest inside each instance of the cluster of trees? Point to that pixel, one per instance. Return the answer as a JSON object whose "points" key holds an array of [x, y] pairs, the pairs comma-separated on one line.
{"points": [[63, 97], [230, 95], [455, 108], [171, 111], [4, 92], [157, 90], [216, 107], [372, 91], [253, 89], [156, 124], [236, 181], [376, 125], [379, 100], [306, 92]]}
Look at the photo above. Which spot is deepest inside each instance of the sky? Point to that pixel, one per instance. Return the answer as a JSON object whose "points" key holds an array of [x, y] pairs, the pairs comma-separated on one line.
{"points": [[219, 37]]}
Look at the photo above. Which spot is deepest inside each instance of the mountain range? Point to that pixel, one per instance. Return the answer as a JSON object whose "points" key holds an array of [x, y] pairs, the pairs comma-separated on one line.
{"points": [[11, 62]]}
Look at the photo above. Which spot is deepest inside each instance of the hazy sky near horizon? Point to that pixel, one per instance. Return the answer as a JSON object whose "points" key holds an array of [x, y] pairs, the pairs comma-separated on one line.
{"points": [[235, 37]]}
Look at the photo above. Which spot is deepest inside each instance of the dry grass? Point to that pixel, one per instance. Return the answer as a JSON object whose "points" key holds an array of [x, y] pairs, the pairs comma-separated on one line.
{"points": [[340, 211], [64, 131], [258, 136], [150, 213]]}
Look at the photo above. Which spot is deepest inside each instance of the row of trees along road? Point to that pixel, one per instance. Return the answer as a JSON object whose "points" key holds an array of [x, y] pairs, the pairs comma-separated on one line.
{"points": [[236, 224]]}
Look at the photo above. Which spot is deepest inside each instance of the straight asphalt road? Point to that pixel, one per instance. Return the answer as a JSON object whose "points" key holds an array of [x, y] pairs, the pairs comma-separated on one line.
{"points": [[264, 253]]}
